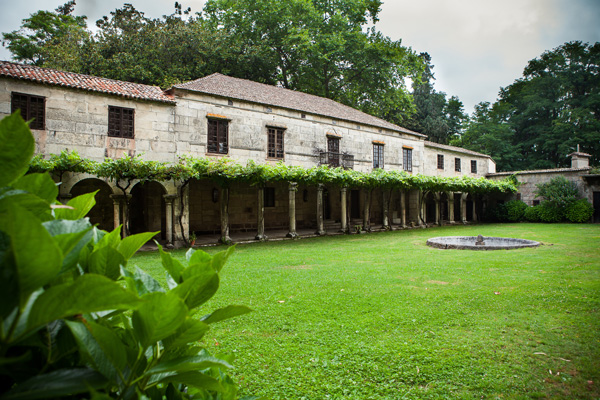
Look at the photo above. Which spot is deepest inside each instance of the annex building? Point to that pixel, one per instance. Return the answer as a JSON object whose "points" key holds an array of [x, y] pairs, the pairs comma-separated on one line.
{"points": [[219, 116]]}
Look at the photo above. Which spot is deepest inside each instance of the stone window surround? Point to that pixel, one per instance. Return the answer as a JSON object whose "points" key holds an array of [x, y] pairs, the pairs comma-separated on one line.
{"points": [[34, 107], [121, 122], [275, 142], [407, 162], [221, 144], [440, 161], [378, 154]]}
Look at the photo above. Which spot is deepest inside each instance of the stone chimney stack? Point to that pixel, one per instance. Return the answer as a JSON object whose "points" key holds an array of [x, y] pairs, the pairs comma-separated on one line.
{"points": [[579, 159]]}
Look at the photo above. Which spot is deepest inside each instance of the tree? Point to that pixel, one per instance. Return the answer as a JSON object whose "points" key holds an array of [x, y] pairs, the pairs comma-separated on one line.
{"points": [[455, 117], [49, 39]]}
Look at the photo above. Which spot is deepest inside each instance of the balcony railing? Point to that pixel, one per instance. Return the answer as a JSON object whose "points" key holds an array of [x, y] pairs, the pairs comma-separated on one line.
{"points": [[343, 160]]}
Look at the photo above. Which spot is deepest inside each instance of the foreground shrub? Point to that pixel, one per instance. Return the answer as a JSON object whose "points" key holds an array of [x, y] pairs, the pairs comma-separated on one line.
{"points": [[532, 214], [496, 213], [515, 210], [579, 211], [75, 320]]}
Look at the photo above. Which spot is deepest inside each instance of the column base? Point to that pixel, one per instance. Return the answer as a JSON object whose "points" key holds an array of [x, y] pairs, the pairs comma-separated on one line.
{"points": [[261, 238], [292, 235], [320, 233], [225, 240]]}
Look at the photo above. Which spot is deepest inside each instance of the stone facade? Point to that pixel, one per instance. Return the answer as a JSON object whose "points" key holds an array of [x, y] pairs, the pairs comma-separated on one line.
{"points": [[177, 123]]}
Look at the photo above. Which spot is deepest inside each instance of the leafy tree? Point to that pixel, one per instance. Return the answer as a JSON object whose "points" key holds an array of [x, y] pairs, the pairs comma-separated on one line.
{"points": [[49, 39], [456, 118]]}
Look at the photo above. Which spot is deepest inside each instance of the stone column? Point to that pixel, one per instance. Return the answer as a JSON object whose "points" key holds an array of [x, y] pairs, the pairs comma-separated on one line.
{"points": [[367, 210], [344, 211], [463, 208], [451, 207], [386, 209], [403, 207], [117, 200], [260, 228], [320, 225], [224, 208], [169, 198], [438, 205], [292, 210], [474, 210]]}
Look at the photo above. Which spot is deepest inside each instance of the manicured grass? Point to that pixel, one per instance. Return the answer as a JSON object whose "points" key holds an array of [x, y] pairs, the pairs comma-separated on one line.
{"points": [[383, 316]]}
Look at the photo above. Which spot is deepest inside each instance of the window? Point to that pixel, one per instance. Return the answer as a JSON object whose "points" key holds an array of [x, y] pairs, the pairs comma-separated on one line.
{"points": [[120, 122], [217, 136], [269, 197], [536, 202], [474, 166], [31, 107], [333, 148], [457, 164], [440, 161], [407, 159], [275, 143], [378, 155]]}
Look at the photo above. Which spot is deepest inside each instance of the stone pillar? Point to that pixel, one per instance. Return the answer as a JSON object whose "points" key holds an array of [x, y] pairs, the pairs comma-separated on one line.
{"points": [[169, 198], [224, 208], [344, 211], [474, 210], [117, 200], [451, 207], [424, 212], [438, 205], [292, 210], [463, 207], [320, 225], [386, 209], [260, 228], [403, 208], [367, 210]]}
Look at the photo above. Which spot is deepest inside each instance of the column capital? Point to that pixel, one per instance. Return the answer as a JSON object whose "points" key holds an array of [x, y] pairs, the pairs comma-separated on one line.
{"points": [[169, 197], [293, 186]]}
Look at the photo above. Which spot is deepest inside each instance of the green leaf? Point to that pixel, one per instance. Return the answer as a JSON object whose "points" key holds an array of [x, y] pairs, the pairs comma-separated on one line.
{"points": [[219, 259], [173, 266], [102, 347], [111, 239], [37, 258], [158, 317], [59, 383], [185, 364], [141, 282], [195, 379], [88, 293], [71, 237], [225, 313], [40, 185], [198, 289], [106, 261], [190, 331], [131, 244], [81, 206], [38, 207], [17, 148]]}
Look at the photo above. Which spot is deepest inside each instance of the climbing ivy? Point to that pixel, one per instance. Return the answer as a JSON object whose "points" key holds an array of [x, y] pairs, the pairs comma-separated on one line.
{"points": [[225, 171]]}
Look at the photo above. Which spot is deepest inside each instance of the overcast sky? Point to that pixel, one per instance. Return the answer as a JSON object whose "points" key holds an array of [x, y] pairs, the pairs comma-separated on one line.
{"points": [[477, 46]]}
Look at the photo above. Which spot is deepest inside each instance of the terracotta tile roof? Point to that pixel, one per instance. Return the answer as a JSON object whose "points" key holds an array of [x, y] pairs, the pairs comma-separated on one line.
{"points": [[242, 89], [90, 83], [455, 149], [541, 171]]}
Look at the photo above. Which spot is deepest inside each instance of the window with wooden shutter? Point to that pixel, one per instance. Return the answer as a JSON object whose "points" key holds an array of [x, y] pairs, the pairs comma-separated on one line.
{"points": [[31, 107], [275, 143], [121, 122], [217, 136]]}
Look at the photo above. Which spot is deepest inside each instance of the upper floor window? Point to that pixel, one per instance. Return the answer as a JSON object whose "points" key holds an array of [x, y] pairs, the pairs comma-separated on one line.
{"points": [[333, 148], [440, 160], [275, 143], [31, 107], [457, 164], [217, 142], [378, 155], [120, 122], [474, 166], [407, 159]]}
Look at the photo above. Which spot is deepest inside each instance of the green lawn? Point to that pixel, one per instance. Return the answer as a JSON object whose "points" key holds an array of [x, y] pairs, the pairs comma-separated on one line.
{"points": [[383, 316]]}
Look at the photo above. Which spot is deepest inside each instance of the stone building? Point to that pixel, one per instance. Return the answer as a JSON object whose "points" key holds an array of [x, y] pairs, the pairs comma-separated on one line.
{"points": [[219, 116]]}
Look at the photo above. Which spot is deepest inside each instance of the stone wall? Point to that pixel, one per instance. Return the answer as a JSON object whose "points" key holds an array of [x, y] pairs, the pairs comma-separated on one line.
{"points": [[485, 164]]}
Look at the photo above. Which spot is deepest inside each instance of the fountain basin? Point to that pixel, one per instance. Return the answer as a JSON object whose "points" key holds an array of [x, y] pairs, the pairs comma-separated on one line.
{"points": [[484, 243]]}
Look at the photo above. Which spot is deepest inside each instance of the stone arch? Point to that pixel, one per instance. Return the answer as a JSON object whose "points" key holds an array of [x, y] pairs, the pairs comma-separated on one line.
{"points": [[147, 209], [102, 214]]}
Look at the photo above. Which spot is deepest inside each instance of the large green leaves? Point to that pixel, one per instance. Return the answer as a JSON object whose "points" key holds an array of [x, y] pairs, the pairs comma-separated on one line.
{"points": [[88, 293], [79, 207], [158, 317], [16, 150]]}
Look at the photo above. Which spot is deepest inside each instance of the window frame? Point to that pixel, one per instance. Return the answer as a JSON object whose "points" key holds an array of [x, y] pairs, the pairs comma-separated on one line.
{"points": [[215, 140], [457, 164], [378, 155], [473, 166], [32, 109], [275, 142], [440, 161], [407, 159], [118, 128]]}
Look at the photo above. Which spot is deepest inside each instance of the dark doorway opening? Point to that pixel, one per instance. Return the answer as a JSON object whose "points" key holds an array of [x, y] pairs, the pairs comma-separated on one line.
{"points": [[354, 204]]}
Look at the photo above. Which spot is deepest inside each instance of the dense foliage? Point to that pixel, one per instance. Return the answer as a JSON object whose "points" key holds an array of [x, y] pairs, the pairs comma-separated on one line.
{"points": [[76, 319], [544, 115], [579, 211], [328, 48]]}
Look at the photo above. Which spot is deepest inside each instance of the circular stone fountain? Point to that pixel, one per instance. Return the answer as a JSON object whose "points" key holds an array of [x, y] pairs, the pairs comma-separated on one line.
{"points": [[479, 243]]}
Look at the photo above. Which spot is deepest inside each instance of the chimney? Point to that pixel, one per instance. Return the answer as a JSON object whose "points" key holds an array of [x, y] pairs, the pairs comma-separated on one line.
{"points": [[579, 159]]}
